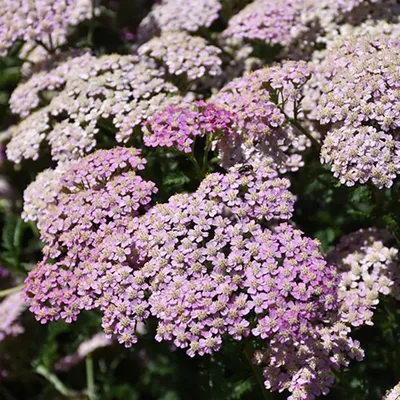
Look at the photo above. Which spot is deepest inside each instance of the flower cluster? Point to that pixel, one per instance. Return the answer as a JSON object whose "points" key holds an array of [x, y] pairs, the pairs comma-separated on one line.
{"points": [[51, 75], [368, 267], [175, 15], [183, 54], [41, 193], [305, 368], [360, 89], [263, 101], [115, 91], [85, 234], [40, 21], [221, 262], [330, 15], [393, 394], [269, 21], [178, 126], [11, 309]]}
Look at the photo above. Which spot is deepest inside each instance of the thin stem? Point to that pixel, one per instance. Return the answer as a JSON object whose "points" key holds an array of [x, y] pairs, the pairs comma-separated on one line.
{"points": [[56, 382], [248, 351], [91, 388], [7, 292], [305, 132], [205, 156], [42, 44], [25, 60], [196, 166], [52, 48]]}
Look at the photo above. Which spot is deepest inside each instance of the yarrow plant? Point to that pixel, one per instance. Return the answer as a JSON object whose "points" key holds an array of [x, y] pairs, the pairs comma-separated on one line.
{"points": [[268, 21], [183, 54], [131, 90], [166, 173]]}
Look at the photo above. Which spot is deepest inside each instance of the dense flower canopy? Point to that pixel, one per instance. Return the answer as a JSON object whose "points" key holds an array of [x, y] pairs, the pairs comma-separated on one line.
{"points": [[200, 173]]}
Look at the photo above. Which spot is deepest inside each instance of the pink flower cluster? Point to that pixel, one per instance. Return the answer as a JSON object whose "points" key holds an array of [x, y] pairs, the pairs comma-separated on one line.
{"points": [[263, 101], [85, 233], [178, 126], [368, 268], [11, 309]]}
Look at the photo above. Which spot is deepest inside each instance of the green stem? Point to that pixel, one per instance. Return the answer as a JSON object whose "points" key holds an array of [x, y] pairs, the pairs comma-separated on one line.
{"points": [[305, 132], [248, 351], [205, 156], [196, 166], [7, 292], [42, 44], [91, 388], [56, 382]]}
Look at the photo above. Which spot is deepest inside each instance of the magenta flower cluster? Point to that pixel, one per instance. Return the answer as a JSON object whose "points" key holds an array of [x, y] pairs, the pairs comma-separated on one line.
{"points": [[178, 126]]}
